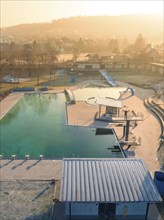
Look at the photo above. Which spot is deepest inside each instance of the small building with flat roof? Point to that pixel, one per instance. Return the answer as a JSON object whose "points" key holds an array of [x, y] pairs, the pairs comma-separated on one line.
{"points": [[112, 106], [107, 189]]}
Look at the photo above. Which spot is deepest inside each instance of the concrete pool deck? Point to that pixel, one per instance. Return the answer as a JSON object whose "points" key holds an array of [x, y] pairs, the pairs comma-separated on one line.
{"points": [[30, 174], [82, 114], [30, 169], [8, 102]]}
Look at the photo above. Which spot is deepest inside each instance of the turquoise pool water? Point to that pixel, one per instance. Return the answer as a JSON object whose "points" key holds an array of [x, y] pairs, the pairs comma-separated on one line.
{"points": [[37, 125]]}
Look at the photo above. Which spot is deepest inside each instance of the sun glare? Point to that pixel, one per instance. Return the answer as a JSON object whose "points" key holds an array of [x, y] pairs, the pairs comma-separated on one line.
{"points": [[120, 7]]}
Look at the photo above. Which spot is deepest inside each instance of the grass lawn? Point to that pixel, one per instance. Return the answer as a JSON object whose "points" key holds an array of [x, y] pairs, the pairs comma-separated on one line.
{"points": [[144, 80]]}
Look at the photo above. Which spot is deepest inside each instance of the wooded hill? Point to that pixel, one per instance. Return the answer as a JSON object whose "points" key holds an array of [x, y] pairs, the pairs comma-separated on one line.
{"points": [[127, 26]]}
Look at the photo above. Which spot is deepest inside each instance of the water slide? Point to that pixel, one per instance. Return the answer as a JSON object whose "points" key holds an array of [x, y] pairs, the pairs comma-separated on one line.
{"points": [[109, 78], [129, 89]]}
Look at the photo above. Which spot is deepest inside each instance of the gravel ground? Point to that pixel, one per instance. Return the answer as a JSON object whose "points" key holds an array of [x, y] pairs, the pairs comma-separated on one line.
{"points": [[26, 200]]}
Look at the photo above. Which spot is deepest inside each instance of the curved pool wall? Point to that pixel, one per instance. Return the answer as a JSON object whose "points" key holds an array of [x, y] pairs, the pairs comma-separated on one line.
{"points": [[82, 94], [36, 125]]}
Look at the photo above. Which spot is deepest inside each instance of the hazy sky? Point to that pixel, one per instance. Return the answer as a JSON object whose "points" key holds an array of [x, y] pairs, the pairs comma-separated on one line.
{"points": [[15, 12]]}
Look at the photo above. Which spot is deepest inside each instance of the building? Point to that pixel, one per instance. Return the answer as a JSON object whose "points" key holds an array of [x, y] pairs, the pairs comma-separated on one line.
{"points": [[112, 107], [149, 54], [88, 65], [107, 189]]}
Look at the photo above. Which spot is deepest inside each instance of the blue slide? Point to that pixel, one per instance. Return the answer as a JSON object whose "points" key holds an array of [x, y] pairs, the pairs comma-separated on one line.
{"points": [[109, 78]]}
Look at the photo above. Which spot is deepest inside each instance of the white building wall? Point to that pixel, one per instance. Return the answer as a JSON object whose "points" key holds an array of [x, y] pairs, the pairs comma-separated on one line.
{"points": [[153, 69], [129, 209], [140, 67], [84, 65], [96, 66], [118, 66], [81, 66], [161, 70], [82, 209], [132, 66], [125, 65], [148, 67], [108, 66]]}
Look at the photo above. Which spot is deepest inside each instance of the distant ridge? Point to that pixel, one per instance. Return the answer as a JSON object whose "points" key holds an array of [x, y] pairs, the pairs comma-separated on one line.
{"points": [[90, 26]]}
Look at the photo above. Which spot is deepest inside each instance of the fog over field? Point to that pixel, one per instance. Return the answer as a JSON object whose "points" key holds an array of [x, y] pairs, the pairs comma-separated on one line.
{"points": [[123, 26]]}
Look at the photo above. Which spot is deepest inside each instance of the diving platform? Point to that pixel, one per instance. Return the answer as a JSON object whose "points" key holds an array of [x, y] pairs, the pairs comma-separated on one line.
{"points": [[130, 118], [124, 117], [117, 119]]}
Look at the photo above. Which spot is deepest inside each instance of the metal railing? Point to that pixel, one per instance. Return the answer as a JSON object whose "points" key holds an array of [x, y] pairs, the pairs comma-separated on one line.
{"points": [[120, 116]]}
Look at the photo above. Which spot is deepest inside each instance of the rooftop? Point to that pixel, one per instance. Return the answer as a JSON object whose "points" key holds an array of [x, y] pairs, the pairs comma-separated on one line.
{"points": [[107, 180], [109, 102]]}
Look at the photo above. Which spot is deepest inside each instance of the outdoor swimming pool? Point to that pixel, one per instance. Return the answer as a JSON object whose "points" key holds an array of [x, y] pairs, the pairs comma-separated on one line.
{"points": [[36, 125]]}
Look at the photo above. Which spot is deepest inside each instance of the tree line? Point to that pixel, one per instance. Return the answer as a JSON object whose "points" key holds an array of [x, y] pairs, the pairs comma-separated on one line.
{"points": [[47, 51]]}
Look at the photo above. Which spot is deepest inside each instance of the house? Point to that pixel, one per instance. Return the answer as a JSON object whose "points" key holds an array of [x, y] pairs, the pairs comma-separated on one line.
{"points": [[107, 58], [117, 189], [150, 54], [92, 57]]}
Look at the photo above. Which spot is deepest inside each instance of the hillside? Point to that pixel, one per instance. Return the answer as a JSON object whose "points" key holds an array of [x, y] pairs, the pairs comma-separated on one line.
{"points": [[151, 26]]}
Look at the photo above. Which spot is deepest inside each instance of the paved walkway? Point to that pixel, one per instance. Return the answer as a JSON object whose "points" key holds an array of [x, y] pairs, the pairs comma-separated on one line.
{"points": [[139, 92], [149, 131], [7, 103], [30, 169], [82, 114]]}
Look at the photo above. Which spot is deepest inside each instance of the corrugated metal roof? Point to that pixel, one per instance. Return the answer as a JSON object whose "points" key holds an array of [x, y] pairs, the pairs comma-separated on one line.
{"points": [[107, 180], [109, 102]]}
